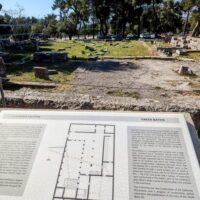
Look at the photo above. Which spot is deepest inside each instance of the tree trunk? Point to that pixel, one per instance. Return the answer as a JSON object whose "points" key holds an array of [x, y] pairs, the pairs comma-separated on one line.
{"points": [[156, 18], [101, 27], [93, 27], [123, 20], [139, 25], [186, 22], [196, 30], [85, 32], [79, 30], [106, 28], [124, 29]]}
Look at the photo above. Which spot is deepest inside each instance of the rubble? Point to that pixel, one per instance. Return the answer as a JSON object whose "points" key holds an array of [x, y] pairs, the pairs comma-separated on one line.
{"points": [[186, 42]]}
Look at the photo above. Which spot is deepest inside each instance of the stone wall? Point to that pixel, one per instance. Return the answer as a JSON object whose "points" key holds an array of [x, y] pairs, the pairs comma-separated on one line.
{"points": [[86, 102], [194, 43], [186, 42]]}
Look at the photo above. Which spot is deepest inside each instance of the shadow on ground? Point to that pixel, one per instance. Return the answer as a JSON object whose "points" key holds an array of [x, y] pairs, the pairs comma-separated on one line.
{"points": [[71, 66]]}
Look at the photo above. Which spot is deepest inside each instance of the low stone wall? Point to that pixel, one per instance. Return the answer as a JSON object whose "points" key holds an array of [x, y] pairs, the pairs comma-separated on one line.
{"points": [[86, 102]]}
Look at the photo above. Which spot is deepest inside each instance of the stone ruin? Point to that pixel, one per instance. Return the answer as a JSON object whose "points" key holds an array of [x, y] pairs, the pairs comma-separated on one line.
{"points": [[185, 71], [194, 43], [41, 72], [186, 42], [9, 43], [50, 56], [166, 51]]}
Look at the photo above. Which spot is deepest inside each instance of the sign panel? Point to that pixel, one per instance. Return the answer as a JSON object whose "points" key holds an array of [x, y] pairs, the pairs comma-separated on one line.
{"points": [[96, 156]]}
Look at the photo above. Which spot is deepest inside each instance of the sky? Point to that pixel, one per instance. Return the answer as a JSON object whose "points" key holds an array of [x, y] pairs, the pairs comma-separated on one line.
{"points": [[36, 8]]}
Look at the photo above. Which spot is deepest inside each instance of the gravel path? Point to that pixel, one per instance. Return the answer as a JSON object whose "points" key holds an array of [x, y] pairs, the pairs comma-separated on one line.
{"points": [[150, 78]]}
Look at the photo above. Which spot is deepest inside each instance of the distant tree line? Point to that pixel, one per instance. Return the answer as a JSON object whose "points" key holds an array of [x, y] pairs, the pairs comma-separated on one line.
{"points": [[91, 17]]}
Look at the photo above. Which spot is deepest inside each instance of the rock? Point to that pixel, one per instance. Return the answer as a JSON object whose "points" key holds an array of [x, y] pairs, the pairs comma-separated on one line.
{"points": [[186, 59], [105, 50], [74, 57], [2, 68], [49, 56], [100, 53], [89, 48], [164, 94], [61, 49], [126, 63], [41, 72], [190, 72], [181, 52], [185, 71], [52, 72], [92, 58]]}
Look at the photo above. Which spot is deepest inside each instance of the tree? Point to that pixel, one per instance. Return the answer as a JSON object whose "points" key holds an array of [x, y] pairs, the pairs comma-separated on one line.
{"points": [[122, 15], [171, 16], [196, 19], [4, 30], [59, 4], [102, 13], [187, 7], [68, 25], [156, 18], [80, 9], [37, 28]]}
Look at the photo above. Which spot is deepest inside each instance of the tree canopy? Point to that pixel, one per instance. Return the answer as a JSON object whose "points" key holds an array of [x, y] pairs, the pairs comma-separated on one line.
{"points": [[81, 17]]}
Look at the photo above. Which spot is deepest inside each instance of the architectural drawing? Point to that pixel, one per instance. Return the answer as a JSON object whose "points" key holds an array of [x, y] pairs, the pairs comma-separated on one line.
{"points": [[87, 166]]}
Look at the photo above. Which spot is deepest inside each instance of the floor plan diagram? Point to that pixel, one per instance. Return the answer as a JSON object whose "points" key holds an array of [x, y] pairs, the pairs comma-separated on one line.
{"points": [[87, 166]]}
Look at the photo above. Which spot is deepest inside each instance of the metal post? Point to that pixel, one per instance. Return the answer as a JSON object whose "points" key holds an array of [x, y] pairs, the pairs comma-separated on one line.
{"points": [[2, 93]]}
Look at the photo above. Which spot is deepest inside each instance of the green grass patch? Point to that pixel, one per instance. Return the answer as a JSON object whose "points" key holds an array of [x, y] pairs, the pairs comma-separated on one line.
{"points": [[82, 49], [120, 93], [195, 56], [78, 49], [25, 73]]}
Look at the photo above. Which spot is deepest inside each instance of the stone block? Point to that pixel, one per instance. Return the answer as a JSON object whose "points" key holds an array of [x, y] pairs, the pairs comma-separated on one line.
{"points": [[61, 49], [50, 56], [41, 72], [181, 52], [93, 58], [52, 72], [183, 70]]}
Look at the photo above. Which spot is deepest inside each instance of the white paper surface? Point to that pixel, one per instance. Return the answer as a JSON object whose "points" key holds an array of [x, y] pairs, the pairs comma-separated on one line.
{"points": [[90, 155]]}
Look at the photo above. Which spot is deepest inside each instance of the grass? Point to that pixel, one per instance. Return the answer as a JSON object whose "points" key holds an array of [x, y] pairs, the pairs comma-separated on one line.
{"points": [[80, 49], [120, 93], [195, 56], [25, 73], [115, 49], [163, 44]]}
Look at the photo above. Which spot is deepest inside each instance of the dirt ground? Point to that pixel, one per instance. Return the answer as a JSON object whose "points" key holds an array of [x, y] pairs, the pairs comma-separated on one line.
{"points": [[151, 79]]}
